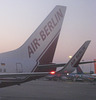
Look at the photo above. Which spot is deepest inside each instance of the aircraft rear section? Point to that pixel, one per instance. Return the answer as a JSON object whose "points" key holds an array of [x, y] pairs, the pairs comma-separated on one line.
{"points": [[38, 50], [47, 58]]}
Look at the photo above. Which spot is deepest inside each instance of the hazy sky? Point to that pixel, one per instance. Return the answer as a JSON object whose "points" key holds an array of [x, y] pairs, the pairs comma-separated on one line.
{"points": [[20, 18]]}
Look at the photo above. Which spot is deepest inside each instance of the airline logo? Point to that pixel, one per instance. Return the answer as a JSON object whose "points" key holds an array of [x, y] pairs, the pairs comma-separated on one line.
{"points": [[78, 56], [45, 32]]}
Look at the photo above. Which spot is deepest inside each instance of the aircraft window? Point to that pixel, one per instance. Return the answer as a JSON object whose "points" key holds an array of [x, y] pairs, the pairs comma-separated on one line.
{"points": [[2, 64]]}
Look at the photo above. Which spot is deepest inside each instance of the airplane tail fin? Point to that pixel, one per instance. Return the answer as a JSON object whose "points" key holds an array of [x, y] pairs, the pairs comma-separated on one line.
{"points": [[40, 47], [74, 61]]}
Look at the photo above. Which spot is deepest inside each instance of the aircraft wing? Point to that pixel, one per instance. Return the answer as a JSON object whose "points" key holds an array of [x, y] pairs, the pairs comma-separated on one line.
{"points": [[62, 64], [15, 75], [52, 65], [86, 62]]}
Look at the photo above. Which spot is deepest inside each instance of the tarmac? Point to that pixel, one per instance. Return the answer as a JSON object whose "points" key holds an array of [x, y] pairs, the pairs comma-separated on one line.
{"points": [[50, 90]]}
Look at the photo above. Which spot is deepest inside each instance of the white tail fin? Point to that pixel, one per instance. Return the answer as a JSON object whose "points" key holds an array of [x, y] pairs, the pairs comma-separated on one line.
{"points": [[74, 61], [40, 47]]}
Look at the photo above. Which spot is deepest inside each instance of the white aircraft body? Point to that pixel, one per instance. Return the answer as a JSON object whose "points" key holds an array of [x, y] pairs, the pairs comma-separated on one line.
{"points": [[32, 60]]}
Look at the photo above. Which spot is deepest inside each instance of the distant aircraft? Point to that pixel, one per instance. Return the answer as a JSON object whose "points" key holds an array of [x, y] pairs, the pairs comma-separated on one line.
{"points": [[81, 76], [70, 66], [32, 60]]}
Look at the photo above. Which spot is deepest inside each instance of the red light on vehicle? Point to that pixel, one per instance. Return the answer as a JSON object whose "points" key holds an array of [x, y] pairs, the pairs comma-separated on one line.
{"points": [[52, 72]]}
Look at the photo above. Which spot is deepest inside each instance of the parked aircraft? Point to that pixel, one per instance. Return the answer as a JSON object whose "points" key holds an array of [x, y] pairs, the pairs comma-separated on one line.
{"points": [[80, 76], [31, 61], [69, 67]]}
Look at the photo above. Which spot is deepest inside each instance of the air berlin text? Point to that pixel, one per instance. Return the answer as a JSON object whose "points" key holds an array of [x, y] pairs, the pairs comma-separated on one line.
{"points": [[78, 56], [45, 32]]}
